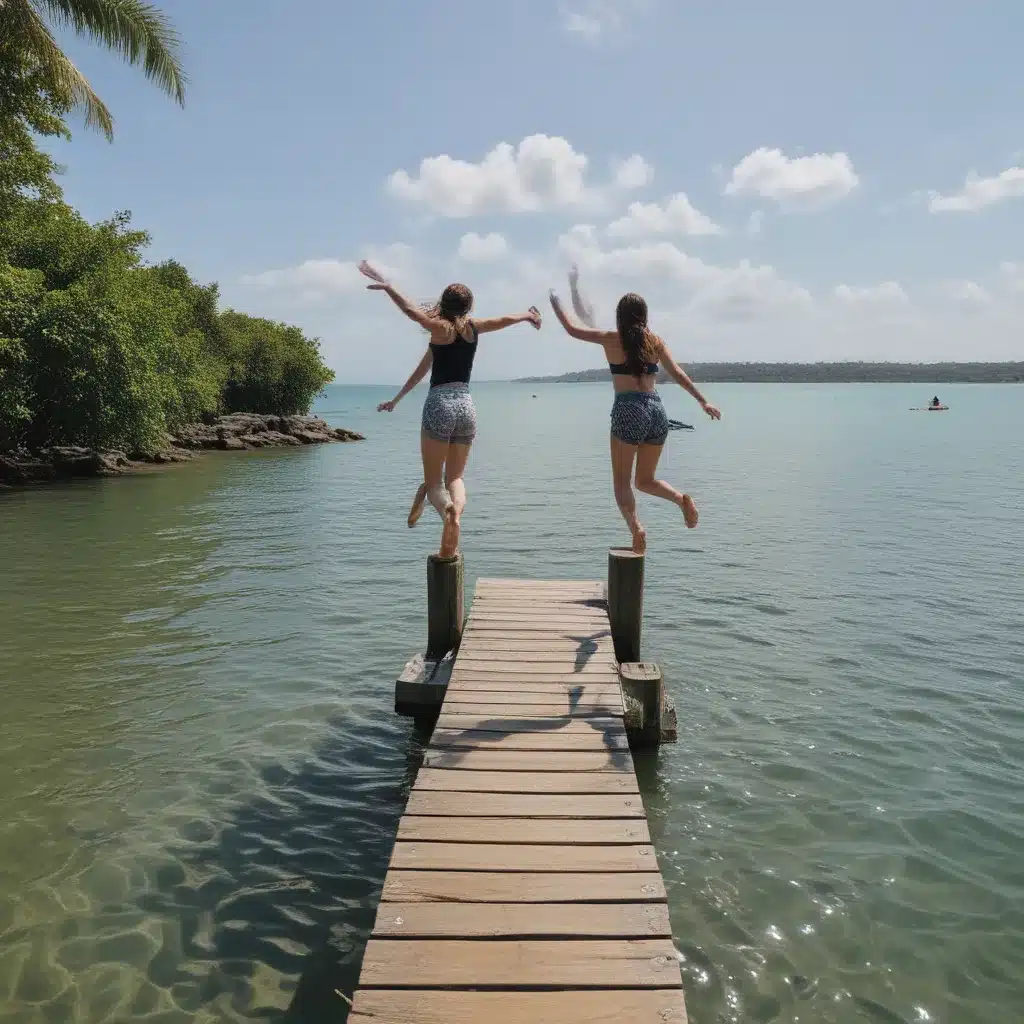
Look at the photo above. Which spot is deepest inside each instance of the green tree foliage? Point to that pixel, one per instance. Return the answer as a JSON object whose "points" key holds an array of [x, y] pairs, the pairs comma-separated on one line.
{"points": [[98, 349], [271, 367]]}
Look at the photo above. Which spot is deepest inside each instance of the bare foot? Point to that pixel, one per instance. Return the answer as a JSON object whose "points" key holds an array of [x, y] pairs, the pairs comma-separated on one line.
{"points": [[639, 540], [689, 512], [417, 505], [450, 533]]}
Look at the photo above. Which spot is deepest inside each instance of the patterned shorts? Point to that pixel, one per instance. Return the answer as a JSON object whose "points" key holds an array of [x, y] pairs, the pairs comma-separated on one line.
{"points": [[638, 417], [449, 415]]}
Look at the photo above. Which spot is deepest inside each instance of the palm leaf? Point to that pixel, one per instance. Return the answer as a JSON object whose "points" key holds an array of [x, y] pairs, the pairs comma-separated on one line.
{"points": [[136, 30], [69, 87]]}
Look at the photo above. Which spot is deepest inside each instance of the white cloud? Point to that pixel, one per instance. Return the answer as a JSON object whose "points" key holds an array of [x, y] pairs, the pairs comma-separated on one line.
{"points": [[969, 293], [677, 216], [885, 296], [755, 223], [476, 248], [634, 172], [978, 193], [543, 172], [313, 278], [596, 20], [797, 182], [714, 293]]}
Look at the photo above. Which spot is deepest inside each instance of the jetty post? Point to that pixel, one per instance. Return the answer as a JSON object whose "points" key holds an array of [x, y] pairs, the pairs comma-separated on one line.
{"points": [[423, 682], [650, 717]]}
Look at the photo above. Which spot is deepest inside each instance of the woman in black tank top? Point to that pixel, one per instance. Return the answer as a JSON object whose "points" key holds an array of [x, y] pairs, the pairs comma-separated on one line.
{"points": [[449, 418], [639, 423]]}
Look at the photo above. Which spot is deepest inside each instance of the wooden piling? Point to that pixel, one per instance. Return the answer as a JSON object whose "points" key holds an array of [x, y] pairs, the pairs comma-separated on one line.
{"points": [[643, 691], [625, 602], [444, 605]]}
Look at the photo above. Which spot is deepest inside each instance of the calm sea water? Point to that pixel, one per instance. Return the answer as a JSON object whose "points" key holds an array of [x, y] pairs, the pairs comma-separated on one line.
{"points": [[201, 773]]}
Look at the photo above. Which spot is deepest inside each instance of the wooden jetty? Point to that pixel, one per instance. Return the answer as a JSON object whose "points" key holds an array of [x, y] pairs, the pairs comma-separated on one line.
{"points": [[523, 885]]}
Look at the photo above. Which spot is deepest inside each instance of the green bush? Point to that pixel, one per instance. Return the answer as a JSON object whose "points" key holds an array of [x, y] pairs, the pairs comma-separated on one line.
{"points": [[97, 349]]}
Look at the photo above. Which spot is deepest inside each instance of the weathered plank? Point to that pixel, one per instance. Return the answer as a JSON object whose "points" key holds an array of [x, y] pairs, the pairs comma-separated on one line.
{"points": [[567, 678], [536, 662], [653, 1006], [523, 921], [487, 692], [456, 709], [579, 761], [514, 720], [525, 805], [456, 736], [415, 856], [516, 887], [523, 830], [599, 963], [454, 778]]}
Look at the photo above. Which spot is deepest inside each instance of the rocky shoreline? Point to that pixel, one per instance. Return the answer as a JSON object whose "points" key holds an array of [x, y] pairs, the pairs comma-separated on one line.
{"points": [[242, 431]]}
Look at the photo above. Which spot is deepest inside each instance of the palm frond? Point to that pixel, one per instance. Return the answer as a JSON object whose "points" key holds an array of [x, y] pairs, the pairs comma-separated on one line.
{"points": [[138, 31], [69, 87]]}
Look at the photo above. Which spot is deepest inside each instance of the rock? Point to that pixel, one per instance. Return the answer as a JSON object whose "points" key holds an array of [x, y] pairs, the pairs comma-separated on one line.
{"points": [[237, 432]]}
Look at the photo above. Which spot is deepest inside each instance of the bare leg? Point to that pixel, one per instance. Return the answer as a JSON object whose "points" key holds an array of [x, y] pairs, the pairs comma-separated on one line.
{"points": [[417, 505], [434, 455], [646, 467], [454, 472], [622, 472]]}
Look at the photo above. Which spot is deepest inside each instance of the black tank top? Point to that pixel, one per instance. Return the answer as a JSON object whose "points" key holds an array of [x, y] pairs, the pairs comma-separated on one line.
{"points": [[622, 368], [453, 363]]}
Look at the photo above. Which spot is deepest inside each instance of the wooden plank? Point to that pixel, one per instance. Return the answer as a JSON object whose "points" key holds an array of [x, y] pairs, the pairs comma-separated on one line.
{"points": [[539, 689], [515, 720], [458, 779], [560, 710], [598, 963], [453, 735], [506, 887], [653, 1006], [484, 692], [540, 617], [533, 665], [525, 805], [523, 921], [610, 832], [567, 678], [525, 761], [520, 857]]}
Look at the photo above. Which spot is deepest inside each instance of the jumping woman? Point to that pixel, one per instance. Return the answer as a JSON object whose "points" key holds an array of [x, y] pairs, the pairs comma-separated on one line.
{"points": [[639, 422], [449, 418]]}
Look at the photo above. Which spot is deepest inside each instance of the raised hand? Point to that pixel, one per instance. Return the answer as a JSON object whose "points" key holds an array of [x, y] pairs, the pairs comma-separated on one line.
{"points": [[367, 270], [713, 411], [387, 406], [533, 315]]}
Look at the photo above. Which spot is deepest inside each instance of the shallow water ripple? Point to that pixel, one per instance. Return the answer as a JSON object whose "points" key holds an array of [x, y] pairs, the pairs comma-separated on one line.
{"points": [[201, 772]]}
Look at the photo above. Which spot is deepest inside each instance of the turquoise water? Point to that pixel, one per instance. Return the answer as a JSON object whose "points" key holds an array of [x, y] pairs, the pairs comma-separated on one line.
{"points": [[201, 773]]}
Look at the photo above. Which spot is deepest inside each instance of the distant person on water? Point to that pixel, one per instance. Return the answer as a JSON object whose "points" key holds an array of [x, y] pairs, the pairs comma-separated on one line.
{"points": [[449, 418], [639, 426], [936, 404]]}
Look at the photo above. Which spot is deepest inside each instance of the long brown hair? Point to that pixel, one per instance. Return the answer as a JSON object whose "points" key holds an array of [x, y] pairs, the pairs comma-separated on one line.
{"points": [[636, 337], [454, 305]]}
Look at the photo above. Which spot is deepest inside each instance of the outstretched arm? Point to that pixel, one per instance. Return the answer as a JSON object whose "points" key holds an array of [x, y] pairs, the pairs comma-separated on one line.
{"points": [[583, 311], [499, 323], [414, 378], [675, 371], [410, 309], [580, 333]]}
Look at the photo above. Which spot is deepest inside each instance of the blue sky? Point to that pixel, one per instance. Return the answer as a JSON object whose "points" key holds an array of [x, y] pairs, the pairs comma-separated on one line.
{"points": [[793, 180]]}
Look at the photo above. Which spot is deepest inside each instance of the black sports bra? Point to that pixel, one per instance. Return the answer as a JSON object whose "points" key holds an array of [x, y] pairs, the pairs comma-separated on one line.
{"points": [[453, 363], [622, 368]]}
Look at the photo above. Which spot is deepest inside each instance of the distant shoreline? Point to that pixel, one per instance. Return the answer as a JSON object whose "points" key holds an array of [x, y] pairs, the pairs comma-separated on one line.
{"points": [[823, 373]]}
